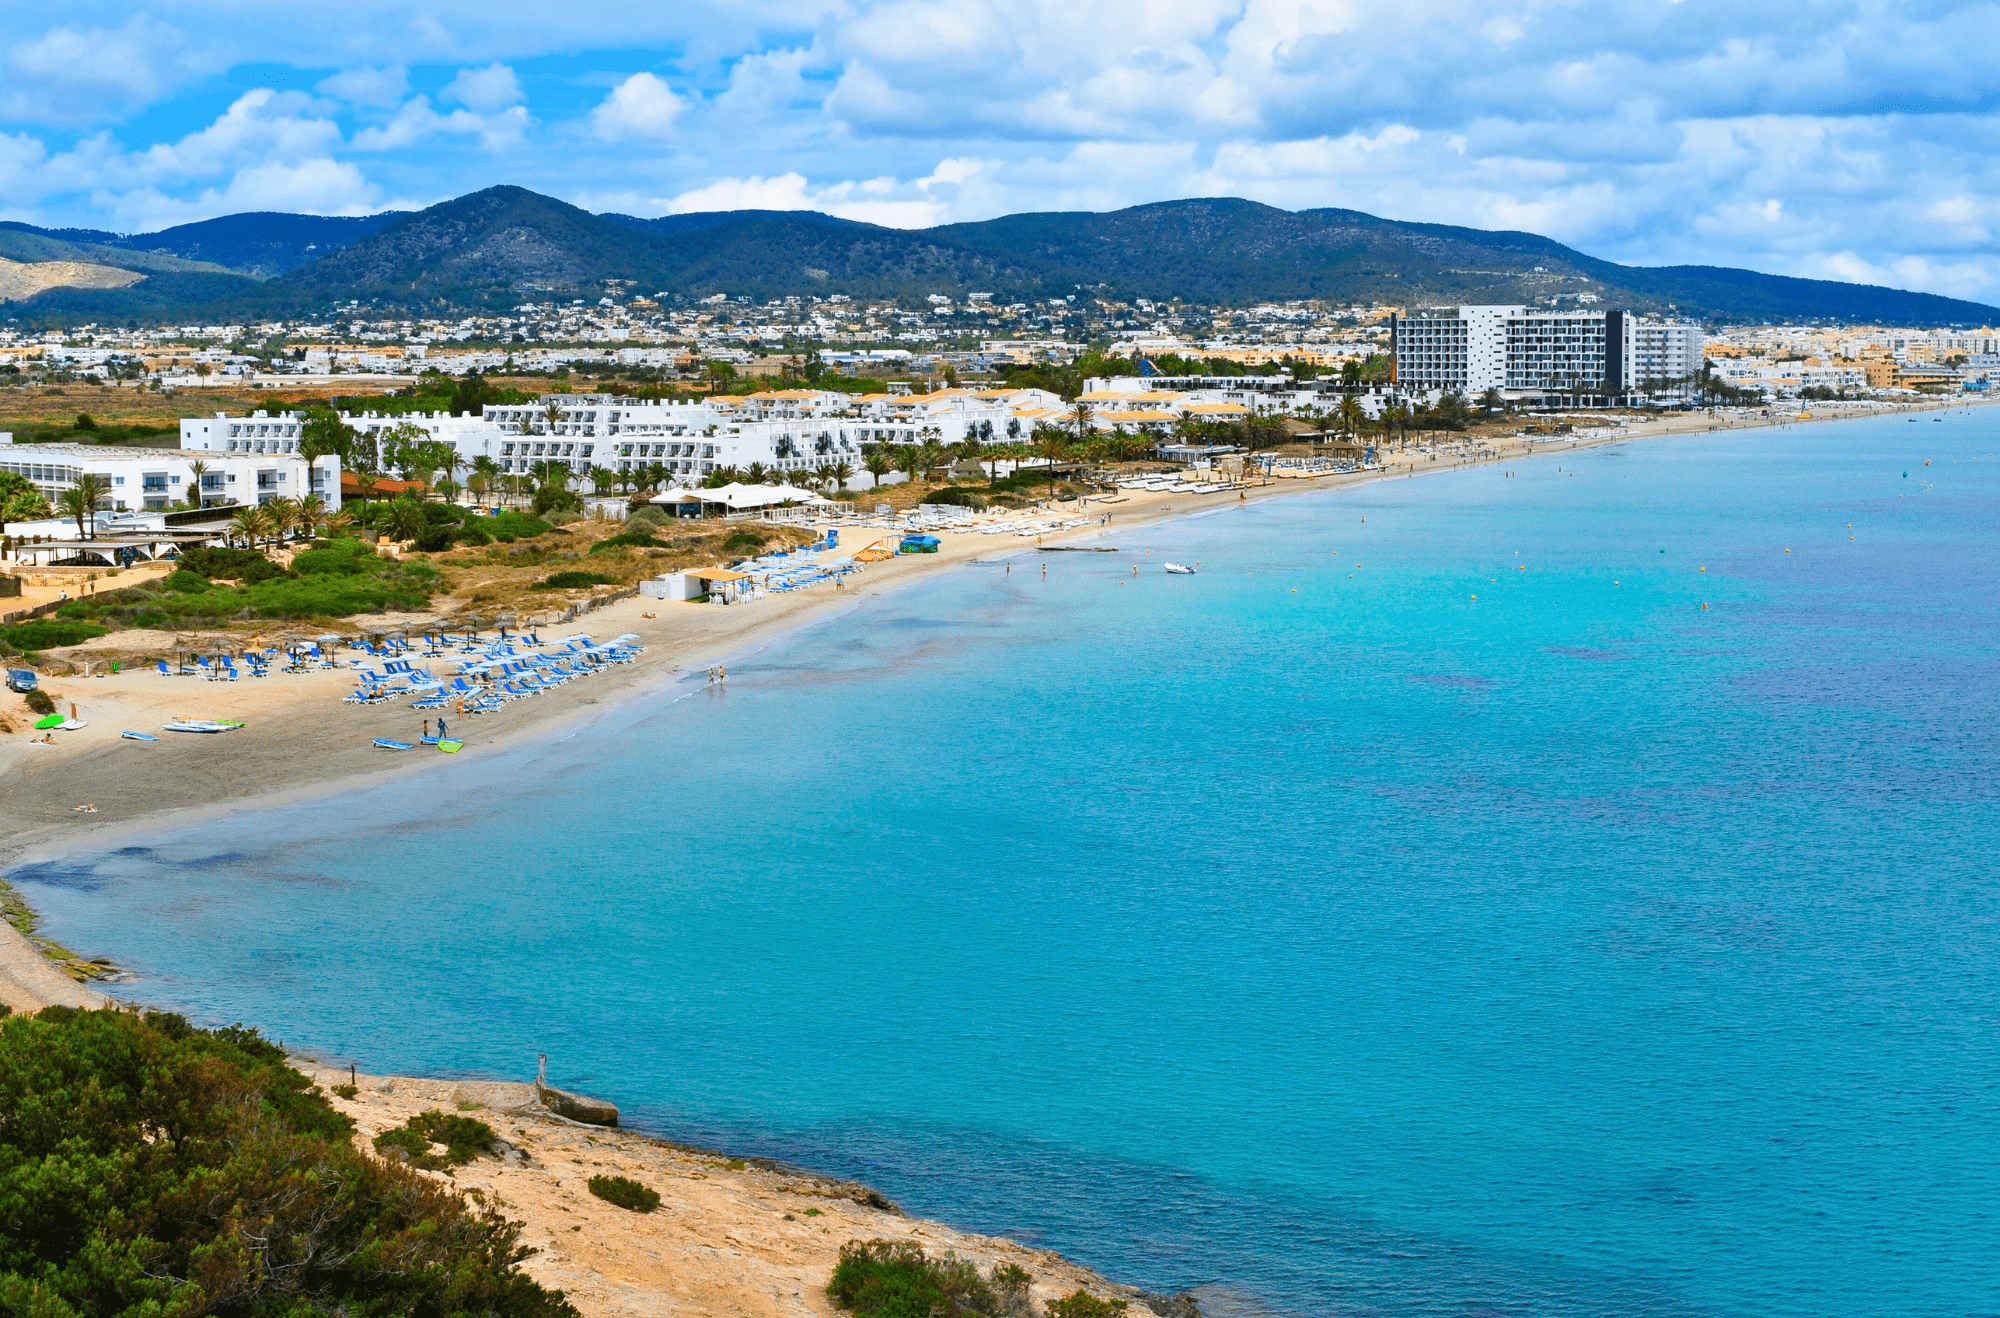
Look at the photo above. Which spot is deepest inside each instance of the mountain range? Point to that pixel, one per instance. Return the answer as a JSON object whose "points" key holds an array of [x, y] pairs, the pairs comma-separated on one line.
{"points": [[505, 245]]}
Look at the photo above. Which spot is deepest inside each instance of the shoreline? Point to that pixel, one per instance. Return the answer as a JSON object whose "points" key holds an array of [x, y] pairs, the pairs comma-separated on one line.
{"points": [[698, 635], [680, 641]]}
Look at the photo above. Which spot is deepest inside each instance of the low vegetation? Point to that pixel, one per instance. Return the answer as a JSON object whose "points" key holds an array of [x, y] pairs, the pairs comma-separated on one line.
{"points": [[334, 579], [150, 1168], [574, 580], [624, 1192], [46, 633], [896, 1279], [462, 1138]]}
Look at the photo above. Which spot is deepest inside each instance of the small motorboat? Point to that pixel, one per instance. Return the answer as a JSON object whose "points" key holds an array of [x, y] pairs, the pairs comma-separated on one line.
{"points": [[138, 736], [385, 744], [1179, 570]]}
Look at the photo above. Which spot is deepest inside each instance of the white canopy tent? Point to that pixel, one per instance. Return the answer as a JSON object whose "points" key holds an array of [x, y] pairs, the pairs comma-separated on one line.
{"points": [[738, 497]]}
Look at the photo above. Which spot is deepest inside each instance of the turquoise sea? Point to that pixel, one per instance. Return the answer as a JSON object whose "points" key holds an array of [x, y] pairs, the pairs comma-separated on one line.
{"points": [[1309, 930]]}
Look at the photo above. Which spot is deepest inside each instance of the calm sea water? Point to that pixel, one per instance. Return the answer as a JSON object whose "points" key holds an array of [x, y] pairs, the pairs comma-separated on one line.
{"points": [[1309, 930]]}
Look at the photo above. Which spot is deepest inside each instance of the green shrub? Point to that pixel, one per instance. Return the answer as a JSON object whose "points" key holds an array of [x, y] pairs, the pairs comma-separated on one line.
{"points": [[625, 1193], [463, 1138], [573, 581], [472, 533], [895, 1279], [245, 565], [346, 557], [40, 701], [443, 514], [1083, 1304], [956, 497], [744, 542], [347, 1091], [150, 1167], [183, 582], [433, 540], [626, 540], [549, 499], [517, 524], [43, 633]]}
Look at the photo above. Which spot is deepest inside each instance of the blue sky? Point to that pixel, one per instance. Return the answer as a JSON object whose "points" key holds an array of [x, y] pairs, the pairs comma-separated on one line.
{"points": [[1815, 137]]}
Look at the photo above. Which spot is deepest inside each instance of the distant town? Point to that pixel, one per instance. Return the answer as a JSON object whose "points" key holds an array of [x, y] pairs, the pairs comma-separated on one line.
{"points": [[634, 336]]}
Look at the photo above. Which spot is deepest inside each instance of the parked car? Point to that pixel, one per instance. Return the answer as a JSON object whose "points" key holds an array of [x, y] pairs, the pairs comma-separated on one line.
{"points": [[20, 679]]}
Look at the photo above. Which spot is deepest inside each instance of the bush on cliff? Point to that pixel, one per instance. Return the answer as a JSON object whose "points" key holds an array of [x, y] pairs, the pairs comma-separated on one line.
{"points": [[463, 1138], [147, 1167], [895, 1279], [625, 1193]]}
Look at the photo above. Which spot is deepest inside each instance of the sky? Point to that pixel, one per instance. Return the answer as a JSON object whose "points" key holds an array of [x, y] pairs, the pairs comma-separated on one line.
{"points": [[1836, 140]]}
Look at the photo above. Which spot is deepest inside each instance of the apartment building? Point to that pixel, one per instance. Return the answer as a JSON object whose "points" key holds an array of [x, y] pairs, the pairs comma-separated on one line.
{"points": [[1524, 350], [153, 480]]}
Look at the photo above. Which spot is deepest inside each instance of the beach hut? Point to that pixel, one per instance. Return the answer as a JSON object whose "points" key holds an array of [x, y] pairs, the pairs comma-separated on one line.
{"points": [[682, 503]]}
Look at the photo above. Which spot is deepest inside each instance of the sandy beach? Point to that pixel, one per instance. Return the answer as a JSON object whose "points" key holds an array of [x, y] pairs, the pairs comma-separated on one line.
{"points": [[725, 1241]]}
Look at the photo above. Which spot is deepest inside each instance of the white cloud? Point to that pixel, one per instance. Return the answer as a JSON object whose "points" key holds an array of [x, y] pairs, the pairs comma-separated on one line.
{"points": [[416, 121], [320, 186], [868, 200], [74, 74], [366, 86], [641, 108], [1819, 139], [484, 90]]}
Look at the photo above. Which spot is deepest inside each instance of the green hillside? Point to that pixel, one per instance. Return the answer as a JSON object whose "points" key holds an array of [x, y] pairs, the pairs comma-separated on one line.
{"points": [[506, 245]]}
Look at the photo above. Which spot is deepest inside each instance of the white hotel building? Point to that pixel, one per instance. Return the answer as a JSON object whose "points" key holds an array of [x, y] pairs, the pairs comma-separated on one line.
{"points": [[153, 480], [1523, 351]]}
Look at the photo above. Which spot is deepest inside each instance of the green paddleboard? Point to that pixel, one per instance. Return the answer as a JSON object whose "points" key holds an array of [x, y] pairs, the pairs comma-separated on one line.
{"points": [[49, 721], [448, 747]]}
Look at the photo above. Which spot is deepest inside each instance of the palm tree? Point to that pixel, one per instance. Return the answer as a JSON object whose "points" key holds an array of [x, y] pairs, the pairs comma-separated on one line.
{"points": [[312, 514], [406, 518], [756, 474], [80, 501], [910, 459], [1055, 447], [551, 417], [1080, 418], [447, 459], [485, 469], [477, 486], [932, 451], [280, 516], [365, 483], [838, 474], [196, 470], [1351, 415], [603, 479], [247, 526], [878, 463]]}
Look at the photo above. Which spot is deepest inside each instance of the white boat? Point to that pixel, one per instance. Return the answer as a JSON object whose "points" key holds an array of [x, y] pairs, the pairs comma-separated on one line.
{"points": [[200, 725], [1179, 570]]}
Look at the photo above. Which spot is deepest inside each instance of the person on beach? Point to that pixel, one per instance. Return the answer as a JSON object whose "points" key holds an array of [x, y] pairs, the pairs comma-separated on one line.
{"points": [[442, 734], [721, 675], [427, 728]]}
